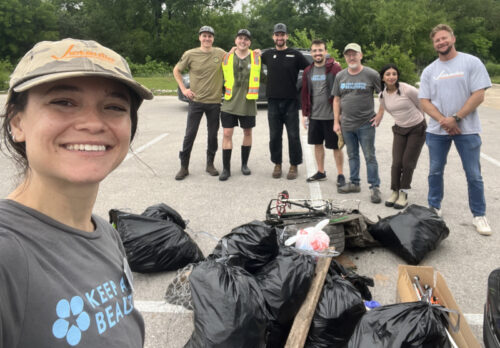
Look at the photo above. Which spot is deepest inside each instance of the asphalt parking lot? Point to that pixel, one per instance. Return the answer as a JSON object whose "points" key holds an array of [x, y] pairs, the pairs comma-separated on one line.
{"points": [[147, 177]]}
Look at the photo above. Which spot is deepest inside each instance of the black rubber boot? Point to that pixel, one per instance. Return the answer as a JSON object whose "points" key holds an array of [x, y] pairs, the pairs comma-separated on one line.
{"points": [[183, 172], [245, 153], [226, 162]]}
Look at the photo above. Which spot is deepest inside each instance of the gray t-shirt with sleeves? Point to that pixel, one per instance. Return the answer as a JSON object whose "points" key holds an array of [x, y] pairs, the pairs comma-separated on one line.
{"points": [[321, 108], [63, 287], [356, 96], [448, 85]]}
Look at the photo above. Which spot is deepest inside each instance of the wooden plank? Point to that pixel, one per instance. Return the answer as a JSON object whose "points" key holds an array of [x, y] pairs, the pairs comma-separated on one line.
{"points": [[302, 322]]}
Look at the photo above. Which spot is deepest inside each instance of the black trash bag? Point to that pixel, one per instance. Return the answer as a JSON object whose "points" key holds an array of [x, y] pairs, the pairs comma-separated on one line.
{"points": [[410, 324], [491, 318], [253, 245], [411, 234], [338, 311], [361, 283], [284, 282], [154, 245], [229, 308], [164, 212]]}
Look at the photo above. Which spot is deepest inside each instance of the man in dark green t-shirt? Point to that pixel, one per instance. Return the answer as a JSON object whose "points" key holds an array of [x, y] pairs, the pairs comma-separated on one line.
{"points": [[241, 71]]}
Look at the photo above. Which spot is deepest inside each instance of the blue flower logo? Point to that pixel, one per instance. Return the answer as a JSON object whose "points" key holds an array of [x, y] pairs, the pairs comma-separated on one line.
{"points": [[72, 320]]}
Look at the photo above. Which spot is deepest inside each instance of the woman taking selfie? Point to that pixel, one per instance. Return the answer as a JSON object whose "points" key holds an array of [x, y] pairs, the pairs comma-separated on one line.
{"points": [[401, 101], [70, 116]]}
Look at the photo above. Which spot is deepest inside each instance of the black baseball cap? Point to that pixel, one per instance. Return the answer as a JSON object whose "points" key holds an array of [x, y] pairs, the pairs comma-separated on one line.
{"points": [[245, 32], [280, 28], [207, 29]]}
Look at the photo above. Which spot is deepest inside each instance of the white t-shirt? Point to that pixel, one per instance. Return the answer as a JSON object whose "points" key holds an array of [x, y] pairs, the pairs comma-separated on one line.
{"points": [[448, 85]]}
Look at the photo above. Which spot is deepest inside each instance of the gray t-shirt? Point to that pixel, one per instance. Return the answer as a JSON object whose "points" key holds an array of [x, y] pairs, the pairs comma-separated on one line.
{"points": [[62, 287], [321, 108], [239, 104], [448, 85], [356, 96]]}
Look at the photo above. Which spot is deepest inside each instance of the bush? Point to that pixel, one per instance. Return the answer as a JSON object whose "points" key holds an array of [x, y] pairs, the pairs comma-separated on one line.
{"points": [[6, 69], [150, 68], [493, 69], [376, 57]]}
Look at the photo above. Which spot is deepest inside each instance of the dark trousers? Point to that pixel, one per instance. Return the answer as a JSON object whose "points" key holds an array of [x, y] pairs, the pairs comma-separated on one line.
{"points": [[284, 112], [195, 113], [406, 148]]}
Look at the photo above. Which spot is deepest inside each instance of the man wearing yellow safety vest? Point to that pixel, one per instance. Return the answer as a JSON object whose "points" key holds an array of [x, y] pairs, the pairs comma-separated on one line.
{"points": [[241, 71]]}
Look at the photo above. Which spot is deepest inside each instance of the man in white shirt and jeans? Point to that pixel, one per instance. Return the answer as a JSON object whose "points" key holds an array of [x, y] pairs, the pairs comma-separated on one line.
{"points": [[451, 89]]}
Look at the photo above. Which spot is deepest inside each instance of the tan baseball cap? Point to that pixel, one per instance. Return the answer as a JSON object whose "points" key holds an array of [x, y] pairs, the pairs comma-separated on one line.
{"points": [[50, 61], [352, 46]]}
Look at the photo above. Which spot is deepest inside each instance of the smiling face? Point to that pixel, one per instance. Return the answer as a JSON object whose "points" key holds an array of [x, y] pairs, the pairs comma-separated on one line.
{"points": [[353, 59], [318, 52], [206, 40], [443, 42], [76, 130], [280, 40], [390, 77], [242, 42]]}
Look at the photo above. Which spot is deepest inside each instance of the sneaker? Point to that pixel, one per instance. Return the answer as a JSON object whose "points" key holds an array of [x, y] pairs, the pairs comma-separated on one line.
{"points": [[317, 177], [392, 199], [182, 173], [277, 171], [340, 180], [402, 200], [349, 188], [375, 196], [436, 211], [482, 226], [292, 173]]}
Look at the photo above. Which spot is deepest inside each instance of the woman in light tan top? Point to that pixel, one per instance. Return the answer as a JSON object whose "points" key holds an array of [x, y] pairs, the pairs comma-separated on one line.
{"points": [[401, 101]]}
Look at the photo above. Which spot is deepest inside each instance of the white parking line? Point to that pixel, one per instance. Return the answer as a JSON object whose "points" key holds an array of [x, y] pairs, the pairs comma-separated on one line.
{"points": [[490, 159], [314, 187], [145, 146]]}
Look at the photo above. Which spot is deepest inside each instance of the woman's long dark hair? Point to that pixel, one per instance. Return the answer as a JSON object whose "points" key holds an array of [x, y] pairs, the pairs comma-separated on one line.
{"points": [[382, 72]]}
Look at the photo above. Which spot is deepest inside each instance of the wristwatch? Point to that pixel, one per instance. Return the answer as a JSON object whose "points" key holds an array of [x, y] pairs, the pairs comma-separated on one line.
{"points": [[457, 119]]}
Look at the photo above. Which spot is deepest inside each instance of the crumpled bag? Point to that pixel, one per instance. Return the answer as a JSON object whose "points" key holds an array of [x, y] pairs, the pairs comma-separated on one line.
{"points": [[361, 283], [164, 212], [229, 308], [410, 324], [412, 233], [154, 245], [339, 309], [284, 282], [251, 246]]}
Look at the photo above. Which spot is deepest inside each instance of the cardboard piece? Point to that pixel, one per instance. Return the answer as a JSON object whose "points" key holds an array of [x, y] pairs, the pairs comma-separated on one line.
{"points": [[464, 338]]}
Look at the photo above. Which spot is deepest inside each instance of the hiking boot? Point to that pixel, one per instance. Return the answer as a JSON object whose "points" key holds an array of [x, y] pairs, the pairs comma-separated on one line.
{"points": [[317, 177], [277, 171], [436, 211], [482, 226], [349, 188], [245, 170], [392, 199], [182, 173], [224, 175], [292, 173], [211, 169], [340, 180], [402, 200], [375, 195]]}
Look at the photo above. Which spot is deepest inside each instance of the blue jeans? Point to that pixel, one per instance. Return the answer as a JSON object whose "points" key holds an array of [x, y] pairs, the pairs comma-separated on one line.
{"points": [[284, 112], [469, 149], [364, 136]]}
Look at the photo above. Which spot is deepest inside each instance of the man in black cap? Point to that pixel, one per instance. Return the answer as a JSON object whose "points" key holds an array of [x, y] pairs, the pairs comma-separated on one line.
{"points": [[241, 71], [283, 66], [205, 93]]}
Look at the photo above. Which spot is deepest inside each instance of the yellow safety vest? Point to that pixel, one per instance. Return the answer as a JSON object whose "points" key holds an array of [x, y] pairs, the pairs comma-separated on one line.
{"points": [[253, 81]]}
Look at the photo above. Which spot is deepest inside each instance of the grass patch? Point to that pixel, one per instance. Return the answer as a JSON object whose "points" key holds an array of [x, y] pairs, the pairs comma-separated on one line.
{"points": [[160, 85], [495, 79]]}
